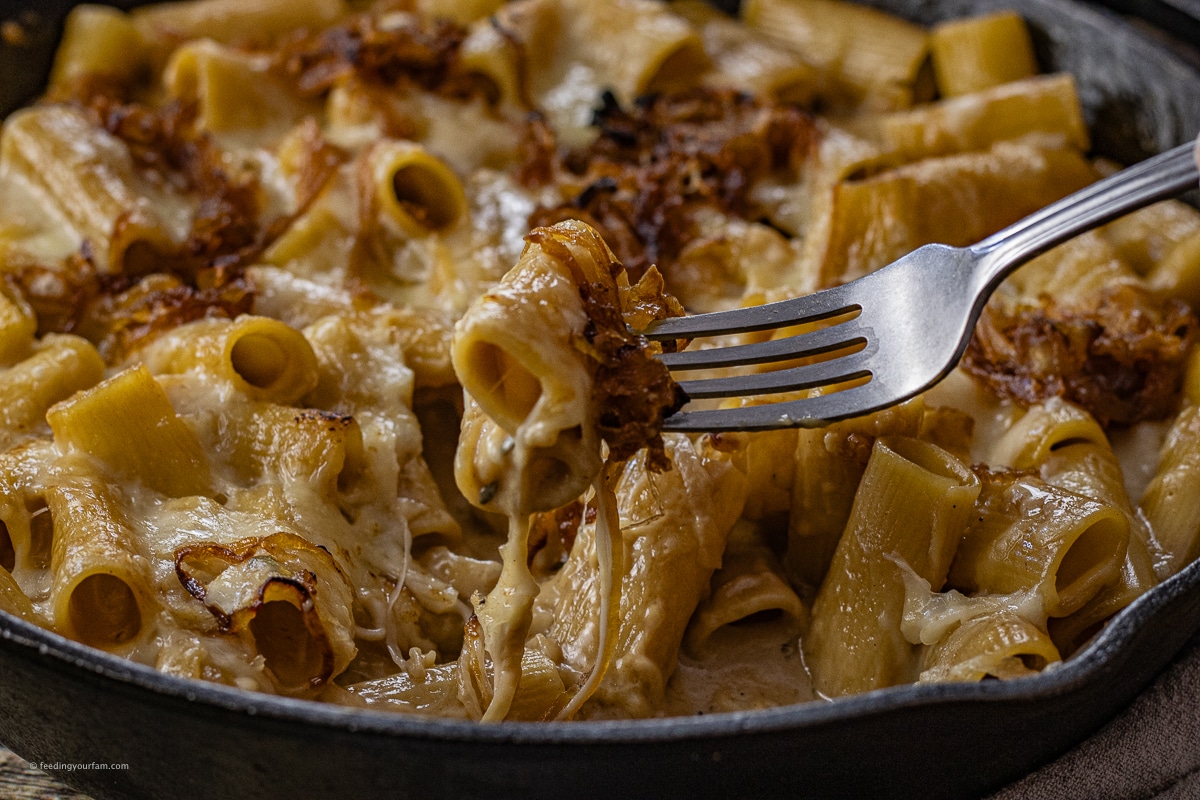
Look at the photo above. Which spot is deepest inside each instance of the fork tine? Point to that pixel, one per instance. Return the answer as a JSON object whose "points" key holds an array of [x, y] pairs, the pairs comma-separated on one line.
{"points": [[835, 337], [808, 376], [809, 412], [808, 308]]}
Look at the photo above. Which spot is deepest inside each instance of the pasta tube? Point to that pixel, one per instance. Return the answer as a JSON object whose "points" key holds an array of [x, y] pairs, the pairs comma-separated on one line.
{"points": [[1044, 428], [829, 464], [1045, 106], [912, 504], [744, 57], [571, 51], [26, 532], [872, 54], [543, 400], [978, 53], [98, 40], [417, 192], [1070, 451], [229, 21], [18, 325], [1146, 237], [1178, 275], [87, 176], [955, 200], [260, 358], [1028, 534], [1169, 502], [102, 591], [674, 527], [286, 596], [320, 448], [432, 690], [61, 365], [127, 422], [234, 92], [12, 599], [999, 645], [749, 586], [1137, 577], [1074, 272]]}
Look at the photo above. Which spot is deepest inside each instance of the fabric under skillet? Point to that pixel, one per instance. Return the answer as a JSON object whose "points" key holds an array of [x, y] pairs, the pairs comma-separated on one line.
{"points": [[1151, 751]]}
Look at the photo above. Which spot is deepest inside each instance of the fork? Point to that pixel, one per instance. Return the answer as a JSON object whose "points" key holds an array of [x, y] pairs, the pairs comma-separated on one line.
{"points": [[914, 317]]}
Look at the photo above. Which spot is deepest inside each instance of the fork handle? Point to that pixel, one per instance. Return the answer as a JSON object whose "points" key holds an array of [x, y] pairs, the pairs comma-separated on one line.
{"points": [[1157, 178]]}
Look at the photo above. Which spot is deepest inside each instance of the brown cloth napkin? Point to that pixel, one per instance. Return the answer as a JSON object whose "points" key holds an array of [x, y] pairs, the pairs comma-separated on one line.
{"points": [[1150, 752]]}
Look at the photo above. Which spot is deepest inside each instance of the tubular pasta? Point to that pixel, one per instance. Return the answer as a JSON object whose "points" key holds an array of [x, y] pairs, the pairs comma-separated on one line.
{"points": [[323, 366], [101, 589], [749, 586], [913, 501]]}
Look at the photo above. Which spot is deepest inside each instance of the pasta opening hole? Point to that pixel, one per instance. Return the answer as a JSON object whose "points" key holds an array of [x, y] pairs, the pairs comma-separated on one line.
{"points": [[931, 459], [1088, 564], [139, 258], [41, 536], [764, 616], [1070, 641], [1069, 442], [1032, 661], [546, 472], [104, 611], [511, 390], [8, 553], [292, 653], [259, 360], [925, 84], [424, 196], [354, 462]]}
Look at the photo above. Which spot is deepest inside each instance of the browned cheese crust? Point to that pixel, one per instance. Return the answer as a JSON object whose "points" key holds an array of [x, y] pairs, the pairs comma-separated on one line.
{"points": [[634, 390], [420, 55], [148, 293], [656, 164], [1119, 353]]}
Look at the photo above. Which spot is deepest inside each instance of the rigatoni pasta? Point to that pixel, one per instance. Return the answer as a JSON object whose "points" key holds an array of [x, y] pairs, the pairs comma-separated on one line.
{"points": [[912, 504], [321, 370]]}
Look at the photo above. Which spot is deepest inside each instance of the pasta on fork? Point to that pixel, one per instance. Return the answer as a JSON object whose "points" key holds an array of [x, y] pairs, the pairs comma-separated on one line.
{"points": [[320, 372]]}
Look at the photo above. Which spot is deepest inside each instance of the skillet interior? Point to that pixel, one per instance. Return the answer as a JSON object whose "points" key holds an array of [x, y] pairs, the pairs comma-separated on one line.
{"points": [[61, 702]]}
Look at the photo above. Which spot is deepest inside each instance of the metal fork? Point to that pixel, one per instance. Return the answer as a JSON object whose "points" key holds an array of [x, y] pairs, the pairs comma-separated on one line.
{"points": [[915, 316]]}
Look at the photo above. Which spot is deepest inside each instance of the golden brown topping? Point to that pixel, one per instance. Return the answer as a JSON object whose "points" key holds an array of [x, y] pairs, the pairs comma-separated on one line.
{"points": [[654, 165], [415, 54], [537, 151], [167, 149], [634, 389], [120, 323], [155, 291], [1120, 353], [118, 314], [165, 145], [314, 161]]}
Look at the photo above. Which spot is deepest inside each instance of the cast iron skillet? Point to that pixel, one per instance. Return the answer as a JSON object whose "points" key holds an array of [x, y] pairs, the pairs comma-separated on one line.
{"points": [[62, 702]]}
